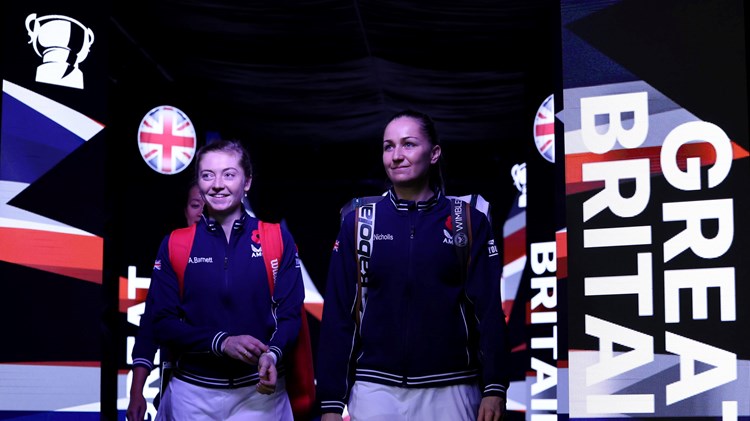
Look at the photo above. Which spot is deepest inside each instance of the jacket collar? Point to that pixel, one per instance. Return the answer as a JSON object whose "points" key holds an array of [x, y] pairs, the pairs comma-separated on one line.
{"points": [[212, 225], [405, 205]]}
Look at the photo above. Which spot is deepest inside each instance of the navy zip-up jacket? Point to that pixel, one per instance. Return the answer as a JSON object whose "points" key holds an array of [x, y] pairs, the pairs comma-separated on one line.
{"points": [[225, 293], [422, 326]]}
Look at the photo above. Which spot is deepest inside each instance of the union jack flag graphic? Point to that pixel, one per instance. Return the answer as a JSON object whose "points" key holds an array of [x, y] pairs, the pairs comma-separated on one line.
{"points": [[167, 140], [544, 129]]}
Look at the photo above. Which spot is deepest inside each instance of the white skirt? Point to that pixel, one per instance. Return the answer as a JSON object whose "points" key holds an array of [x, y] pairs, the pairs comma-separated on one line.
{"points": [[184, 401], [376, 402]]}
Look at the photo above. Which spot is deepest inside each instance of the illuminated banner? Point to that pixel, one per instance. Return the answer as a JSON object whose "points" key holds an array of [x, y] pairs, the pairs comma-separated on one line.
{"points": [[656, 172], [52, 217]]}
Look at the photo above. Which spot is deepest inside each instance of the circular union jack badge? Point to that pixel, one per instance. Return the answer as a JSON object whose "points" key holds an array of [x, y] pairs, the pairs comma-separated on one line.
{"points": [[544, 129], [167, 140]]}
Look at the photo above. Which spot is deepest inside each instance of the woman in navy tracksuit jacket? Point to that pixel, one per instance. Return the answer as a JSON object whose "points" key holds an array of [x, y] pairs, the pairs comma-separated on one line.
{"points": [[225, 326], [226, 292], [422, 326]]}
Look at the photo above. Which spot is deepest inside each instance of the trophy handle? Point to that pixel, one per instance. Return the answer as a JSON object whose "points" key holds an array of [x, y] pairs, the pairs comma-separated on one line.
{"points": [[29, 18], [90, 35], [89, 39], [33, 32]]}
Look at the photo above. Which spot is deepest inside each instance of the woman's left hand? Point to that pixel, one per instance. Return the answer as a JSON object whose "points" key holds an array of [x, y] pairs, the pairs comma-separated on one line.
{"points": [[492, 408], [267, 373], [245, 348]]}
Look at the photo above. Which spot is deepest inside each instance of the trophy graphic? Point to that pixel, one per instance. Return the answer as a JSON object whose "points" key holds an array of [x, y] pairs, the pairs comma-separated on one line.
{"points": [[518, 172], [62, 43]]}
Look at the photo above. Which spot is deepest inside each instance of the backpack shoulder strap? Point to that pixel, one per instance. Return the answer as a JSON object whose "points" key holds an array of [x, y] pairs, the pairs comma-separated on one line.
{"points": [[273, 247], [461, 222], [478, 202], [180, 244], [364, 228], [357, 202]]}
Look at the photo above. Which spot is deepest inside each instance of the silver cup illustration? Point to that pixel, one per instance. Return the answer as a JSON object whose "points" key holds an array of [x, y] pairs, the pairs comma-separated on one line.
{"points": [[62, 43]]}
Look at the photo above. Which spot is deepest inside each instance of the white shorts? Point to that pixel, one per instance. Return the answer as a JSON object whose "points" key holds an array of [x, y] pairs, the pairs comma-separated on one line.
{"points": [[376, 402], [185, 401]]}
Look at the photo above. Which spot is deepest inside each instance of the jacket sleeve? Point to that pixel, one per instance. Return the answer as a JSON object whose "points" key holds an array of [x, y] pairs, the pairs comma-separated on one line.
{"points": [[144, 349], [288, 296], [483, 289], [337, 340], [169, 327], [164, 295]]}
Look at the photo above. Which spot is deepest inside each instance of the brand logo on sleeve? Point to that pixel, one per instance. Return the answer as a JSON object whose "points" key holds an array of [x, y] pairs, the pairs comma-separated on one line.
{"points": [[491, 248]]}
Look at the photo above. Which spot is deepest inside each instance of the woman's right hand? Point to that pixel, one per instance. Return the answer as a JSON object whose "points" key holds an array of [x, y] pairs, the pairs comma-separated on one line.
{"points": [[245, 348], [267, 374], [136, 408]]}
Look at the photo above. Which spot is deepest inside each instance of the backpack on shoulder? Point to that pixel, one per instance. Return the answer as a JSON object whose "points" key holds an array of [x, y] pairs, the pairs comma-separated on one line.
{"points": [[365, 208]]}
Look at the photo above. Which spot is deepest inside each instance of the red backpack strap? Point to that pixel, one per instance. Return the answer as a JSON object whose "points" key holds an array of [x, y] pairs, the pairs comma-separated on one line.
{"points": [[301, 384], [180, 244], [273, 247]]}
